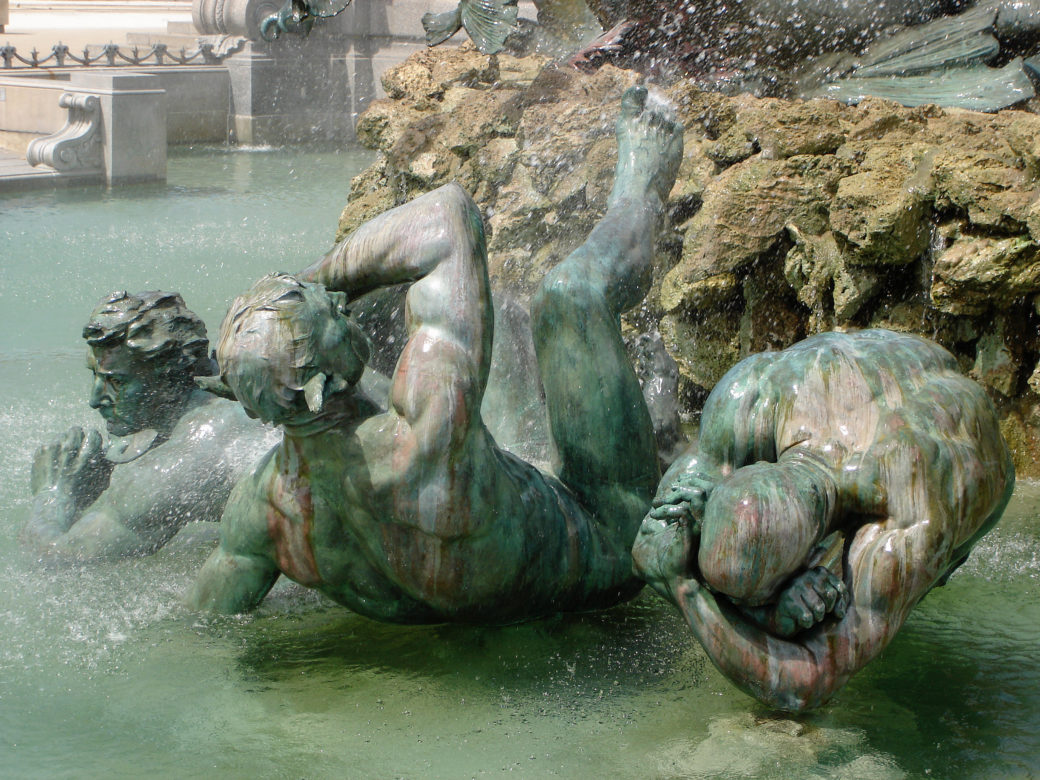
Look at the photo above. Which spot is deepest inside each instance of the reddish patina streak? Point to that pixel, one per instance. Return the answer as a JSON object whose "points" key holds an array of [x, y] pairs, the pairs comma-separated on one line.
{"points": [[290, 520]]}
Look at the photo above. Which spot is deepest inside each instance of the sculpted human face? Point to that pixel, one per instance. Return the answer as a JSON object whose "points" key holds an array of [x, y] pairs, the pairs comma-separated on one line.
{"points": [[128, 392]]}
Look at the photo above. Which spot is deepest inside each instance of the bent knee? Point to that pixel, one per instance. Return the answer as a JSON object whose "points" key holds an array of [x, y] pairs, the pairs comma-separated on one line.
{"points": [[747, 553], [564, 291], [741, 565]]}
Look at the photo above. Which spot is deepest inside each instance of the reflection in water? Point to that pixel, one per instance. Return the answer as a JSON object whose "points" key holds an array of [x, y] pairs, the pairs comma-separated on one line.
{"points": [[101, 667]]}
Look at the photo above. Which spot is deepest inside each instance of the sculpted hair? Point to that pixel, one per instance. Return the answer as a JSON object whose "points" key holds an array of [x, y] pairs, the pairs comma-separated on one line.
{"points": [[155, 326], [277, 337]]}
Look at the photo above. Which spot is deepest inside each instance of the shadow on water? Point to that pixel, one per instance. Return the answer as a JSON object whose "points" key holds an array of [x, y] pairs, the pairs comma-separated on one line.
{"points": [[961, 678], [630, 648], [955, 694]]}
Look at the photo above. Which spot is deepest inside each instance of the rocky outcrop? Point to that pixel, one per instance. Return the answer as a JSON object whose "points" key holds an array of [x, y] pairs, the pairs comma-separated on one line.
{"points": [[789, 217]]}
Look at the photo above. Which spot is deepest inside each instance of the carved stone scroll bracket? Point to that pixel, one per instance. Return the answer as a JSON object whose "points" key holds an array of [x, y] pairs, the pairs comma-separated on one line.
{"points": [[77, 146]]}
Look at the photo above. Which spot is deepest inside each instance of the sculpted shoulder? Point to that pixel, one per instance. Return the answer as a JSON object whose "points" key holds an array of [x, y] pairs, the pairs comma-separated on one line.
{"points": [[377, 451], [215, 434], [217, 419]]}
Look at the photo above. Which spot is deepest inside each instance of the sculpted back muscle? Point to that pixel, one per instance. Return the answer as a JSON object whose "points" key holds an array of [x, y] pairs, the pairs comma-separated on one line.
{"points": [[451, 535]]}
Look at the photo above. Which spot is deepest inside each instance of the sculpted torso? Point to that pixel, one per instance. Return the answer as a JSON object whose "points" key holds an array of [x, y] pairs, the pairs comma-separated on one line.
{"points": [[188, 477], [149, 495], [415, 514], [384, 528], [176, 450]]}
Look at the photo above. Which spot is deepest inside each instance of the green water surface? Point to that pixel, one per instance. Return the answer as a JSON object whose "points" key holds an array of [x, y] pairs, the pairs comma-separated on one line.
{"points": [[104, 674]]}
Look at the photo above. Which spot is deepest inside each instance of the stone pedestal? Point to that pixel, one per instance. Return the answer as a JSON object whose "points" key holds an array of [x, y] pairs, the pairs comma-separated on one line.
{"points": [[290, 91], [133, 123], [312, 89], [232, 17]]}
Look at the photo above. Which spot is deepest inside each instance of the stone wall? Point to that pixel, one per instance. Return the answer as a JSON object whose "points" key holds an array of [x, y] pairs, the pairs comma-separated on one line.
{"points": [[789, 218], [197, 102]]}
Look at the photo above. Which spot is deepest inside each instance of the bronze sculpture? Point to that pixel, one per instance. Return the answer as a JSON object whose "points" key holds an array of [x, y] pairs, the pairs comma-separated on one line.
{"points": [[177, 452], [834, 484], [415, 515]]}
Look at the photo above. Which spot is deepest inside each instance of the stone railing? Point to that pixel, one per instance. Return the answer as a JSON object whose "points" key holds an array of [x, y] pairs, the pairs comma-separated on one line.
{"points": [[114, 124]]}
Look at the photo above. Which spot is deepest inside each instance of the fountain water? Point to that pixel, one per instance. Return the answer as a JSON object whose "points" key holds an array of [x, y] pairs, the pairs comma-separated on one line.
{"points": [[102, 668]]}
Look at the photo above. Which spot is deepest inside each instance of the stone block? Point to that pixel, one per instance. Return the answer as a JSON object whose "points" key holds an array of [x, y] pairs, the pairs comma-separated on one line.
{"points": [[30, 104], [133, 116], [290, 92], [197, 104]]}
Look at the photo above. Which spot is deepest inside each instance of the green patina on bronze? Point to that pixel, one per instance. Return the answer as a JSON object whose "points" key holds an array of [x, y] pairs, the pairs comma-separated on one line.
{"points": [[177, 452], [834, 484], [415, 514]]}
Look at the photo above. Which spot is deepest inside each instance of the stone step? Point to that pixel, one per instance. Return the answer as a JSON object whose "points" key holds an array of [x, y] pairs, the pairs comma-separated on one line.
{"points": [[173, 41], [102, 6], [16, 174]]}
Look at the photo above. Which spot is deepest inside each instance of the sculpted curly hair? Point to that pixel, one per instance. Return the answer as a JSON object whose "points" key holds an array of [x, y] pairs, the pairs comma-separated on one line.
{"points": [[282, 333], [156, 327]]}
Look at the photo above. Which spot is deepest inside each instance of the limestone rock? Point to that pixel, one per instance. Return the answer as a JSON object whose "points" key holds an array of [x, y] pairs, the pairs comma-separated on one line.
{"points": [[994, 365], [412, 79], [977, 274], [902, 316], [520, 210], [779, 129], [557, 131], [384, 122], [477, 116], [704, 347], [494, 161], [1021, 129], [424, 77], [1020, 425], [788, 217], [695, 173], [745, 213], [360, 209], [1034, 380], [772, 318], [875, 120], [990, 182], [465, 67], [368, 196], [819, 272], [1033, 220], [879, 210]]}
